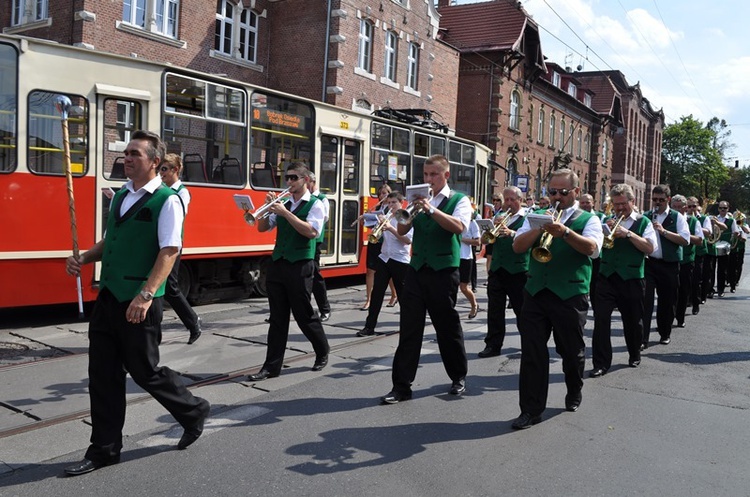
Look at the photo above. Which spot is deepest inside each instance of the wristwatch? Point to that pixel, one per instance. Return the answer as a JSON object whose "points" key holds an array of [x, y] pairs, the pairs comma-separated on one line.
{"points": [[567, 232], [147, 296], [431, 211], [630, 233]]}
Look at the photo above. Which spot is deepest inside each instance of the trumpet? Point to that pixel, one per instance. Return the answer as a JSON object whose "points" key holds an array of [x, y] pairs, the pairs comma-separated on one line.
{"points": [[377, 232], [490, 236], [262, 212], [407, 215], [542, 253], [609, 240]]}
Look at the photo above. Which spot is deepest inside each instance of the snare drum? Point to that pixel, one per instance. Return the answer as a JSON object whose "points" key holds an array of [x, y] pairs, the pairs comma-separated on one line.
{"points": [[723, 248]]}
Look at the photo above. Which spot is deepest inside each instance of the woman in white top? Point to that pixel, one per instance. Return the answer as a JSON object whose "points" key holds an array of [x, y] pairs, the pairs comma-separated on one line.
{"points": [[469, 238]]}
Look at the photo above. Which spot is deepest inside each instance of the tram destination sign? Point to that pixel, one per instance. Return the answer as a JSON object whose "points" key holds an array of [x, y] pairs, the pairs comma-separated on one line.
{"points": [[278, 118]]}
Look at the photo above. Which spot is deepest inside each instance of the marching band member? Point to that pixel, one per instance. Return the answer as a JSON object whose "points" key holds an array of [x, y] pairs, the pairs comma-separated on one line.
{"points": [[687, 263], [587, 204], [622, 280], [693, 209], [373, 252], [723, 261], [497, 203], [469, 239], [319, 290], [738, 251], [507, 274], [392, 263], [663, 264], [431, 283], [555, 298]]}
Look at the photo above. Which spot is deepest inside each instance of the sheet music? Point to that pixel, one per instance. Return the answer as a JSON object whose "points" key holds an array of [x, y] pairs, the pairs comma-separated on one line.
{"points": [[485, 224], [414, 192], [370, 219], [243, 202], [536, 221]]}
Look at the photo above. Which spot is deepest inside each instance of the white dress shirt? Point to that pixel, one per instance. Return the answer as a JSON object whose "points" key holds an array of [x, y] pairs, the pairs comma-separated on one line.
{"points": [[169, 228], [315, 216], [593, 228], [682, 229]]}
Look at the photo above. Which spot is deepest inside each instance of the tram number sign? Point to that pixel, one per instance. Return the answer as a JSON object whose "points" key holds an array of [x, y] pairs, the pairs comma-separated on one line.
{"points": [[343, 125]]}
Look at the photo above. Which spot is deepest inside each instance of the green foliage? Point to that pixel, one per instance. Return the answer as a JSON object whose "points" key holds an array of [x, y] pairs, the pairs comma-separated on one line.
{"points": [[692, 157]]}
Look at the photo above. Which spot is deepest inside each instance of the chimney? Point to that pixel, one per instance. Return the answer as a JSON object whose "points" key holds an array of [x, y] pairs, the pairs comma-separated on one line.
{"points": [[443, 3]]}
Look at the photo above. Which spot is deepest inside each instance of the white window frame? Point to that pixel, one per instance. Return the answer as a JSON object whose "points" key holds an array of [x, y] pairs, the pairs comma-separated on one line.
{"points": [[556, 78], [572, 90], [366, 34], [159, 16], [562, 134], [248, 29], [552, 130], [587, 146], [587, 100], [579, 139], [412, 67], [234, 45], [28, 11], [391, 56], [570, 138], [515, 109], [540, 133], [605, 147]]}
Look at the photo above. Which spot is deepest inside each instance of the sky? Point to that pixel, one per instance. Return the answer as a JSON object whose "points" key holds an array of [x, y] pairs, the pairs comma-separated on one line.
{"points": [[691, 57]]}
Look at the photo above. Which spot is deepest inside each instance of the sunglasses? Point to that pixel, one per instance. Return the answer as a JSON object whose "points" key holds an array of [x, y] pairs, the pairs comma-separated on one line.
{"points": [[723, 208], [291, 177], [692, 206], [164, 169], [659, 200], [554, 191]]}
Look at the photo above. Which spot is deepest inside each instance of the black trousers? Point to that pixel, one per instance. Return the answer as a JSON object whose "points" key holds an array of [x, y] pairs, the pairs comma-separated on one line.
{"points": [[595, 265], [722, 271], [383, 273], [177, 300], [501, 285], [435, 292], [738, 259], [697, 292], [115, 345], [319, 290], [709, 274], [662, 279], [684, 291], [627, 296], [289, 285], [544, 314]]}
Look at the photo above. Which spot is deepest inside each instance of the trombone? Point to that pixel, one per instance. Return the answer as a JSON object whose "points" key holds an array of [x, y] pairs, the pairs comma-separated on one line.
{"points": [[262, 212], [490, 236], [542, 253], [377, 232], [609, 240]]}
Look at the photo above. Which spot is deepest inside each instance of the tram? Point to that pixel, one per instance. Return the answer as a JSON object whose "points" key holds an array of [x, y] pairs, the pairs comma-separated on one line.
{"points": [[234, 138]]}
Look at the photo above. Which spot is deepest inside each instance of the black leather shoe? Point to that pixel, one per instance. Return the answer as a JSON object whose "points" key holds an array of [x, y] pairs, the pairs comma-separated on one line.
{"points": [[489, 352], [86, 466], [262, 375], [634, 364], [366, 332], [194, 433], [696, 310], [732, 290], [681, 325], [573, 402], [325, 316], [320, 363], [644, 346], [597, 372], [196, 333], [665, 340], [394, 397], [721, 295], [458, 387], [525, 420]]}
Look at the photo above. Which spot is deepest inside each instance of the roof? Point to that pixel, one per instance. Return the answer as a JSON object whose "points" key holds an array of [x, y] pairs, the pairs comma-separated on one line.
{"points": [[604, 90], [493, 25]]}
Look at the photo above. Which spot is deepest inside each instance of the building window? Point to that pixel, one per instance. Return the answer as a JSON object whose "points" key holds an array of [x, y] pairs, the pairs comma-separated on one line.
{"points": [[530, 120], [579, 139], [412, 71], [391, 55], [236, 31], [556, 79], [540, 132], [587, 100], [587, 146], [26, 11], [562, 134], [570, 139], [515, 109], [158, 16], [572, 90], [552, 130], [364, 59], [605, 148]]}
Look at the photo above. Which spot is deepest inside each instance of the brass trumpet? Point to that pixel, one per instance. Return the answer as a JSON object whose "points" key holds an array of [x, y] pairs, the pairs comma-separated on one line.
{"points": [[542, 253], [407, 215], [262, 212], [609, 240], [377, 232], [490, 236], [739, 218]]}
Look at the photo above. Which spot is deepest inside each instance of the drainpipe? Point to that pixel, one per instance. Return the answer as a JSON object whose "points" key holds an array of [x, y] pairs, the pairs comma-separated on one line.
{"points": [[325, 57]]}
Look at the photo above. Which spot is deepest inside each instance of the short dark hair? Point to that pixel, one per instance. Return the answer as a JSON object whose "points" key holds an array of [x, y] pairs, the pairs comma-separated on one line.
{"points": [[300, 167], [156, 148], [664, 189], [173, 160], [397, 195]]}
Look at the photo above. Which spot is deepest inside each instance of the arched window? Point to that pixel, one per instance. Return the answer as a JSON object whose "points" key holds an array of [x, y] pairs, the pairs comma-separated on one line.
{"points": [[515, 109], [570, 139], [605, 150], [540, 132], [562, 134], [552, 130], [579, 139], [587, 146]]}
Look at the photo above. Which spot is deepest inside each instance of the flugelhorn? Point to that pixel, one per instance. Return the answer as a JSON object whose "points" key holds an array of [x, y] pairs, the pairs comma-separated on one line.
{"points": [[609, 240], [490, 236], [261, 212], [716, 230], [377, 232], [542, 253]]}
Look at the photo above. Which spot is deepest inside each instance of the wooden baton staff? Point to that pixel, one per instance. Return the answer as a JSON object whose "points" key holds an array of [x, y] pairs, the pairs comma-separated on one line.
{"points": [[63, 104]]}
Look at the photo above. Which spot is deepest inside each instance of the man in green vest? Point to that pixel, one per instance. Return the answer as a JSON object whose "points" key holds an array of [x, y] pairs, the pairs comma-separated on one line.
{"points": [[431, 283], [723, 260], [319, 290], [290, 275], [693, 209], [687, 263], [622, 281], [737, 255], [586, 202], [555, 299], [142, 241], [507, 275], [663, 265]]}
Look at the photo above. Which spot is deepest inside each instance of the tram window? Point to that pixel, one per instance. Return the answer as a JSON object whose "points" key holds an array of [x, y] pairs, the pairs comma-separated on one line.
{"points": [[381, 136], [421, 145], [8, 107], [454, 152], [351, 166], [401, 140], [393, 167], [437, 146], [45, 135], [121, 118]]}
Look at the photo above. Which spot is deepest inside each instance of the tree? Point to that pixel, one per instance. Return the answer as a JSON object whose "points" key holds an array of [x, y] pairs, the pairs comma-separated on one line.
{"points": [[692, 160]]}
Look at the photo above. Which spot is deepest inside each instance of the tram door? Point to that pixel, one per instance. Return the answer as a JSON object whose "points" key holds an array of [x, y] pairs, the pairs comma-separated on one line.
{"points": [[339, 179]]}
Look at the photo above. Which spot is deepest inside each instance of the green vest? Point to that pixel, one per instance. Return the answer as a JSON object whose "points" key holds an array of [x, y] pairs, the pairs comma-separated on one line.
{"points": [[688, 253], [670, 251], [503, 256], [726, 235], [320, 196], [290, 245], [432, 245], [740, 247], [624, 258], [701, 249], [132, 245], [569, 272]]}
